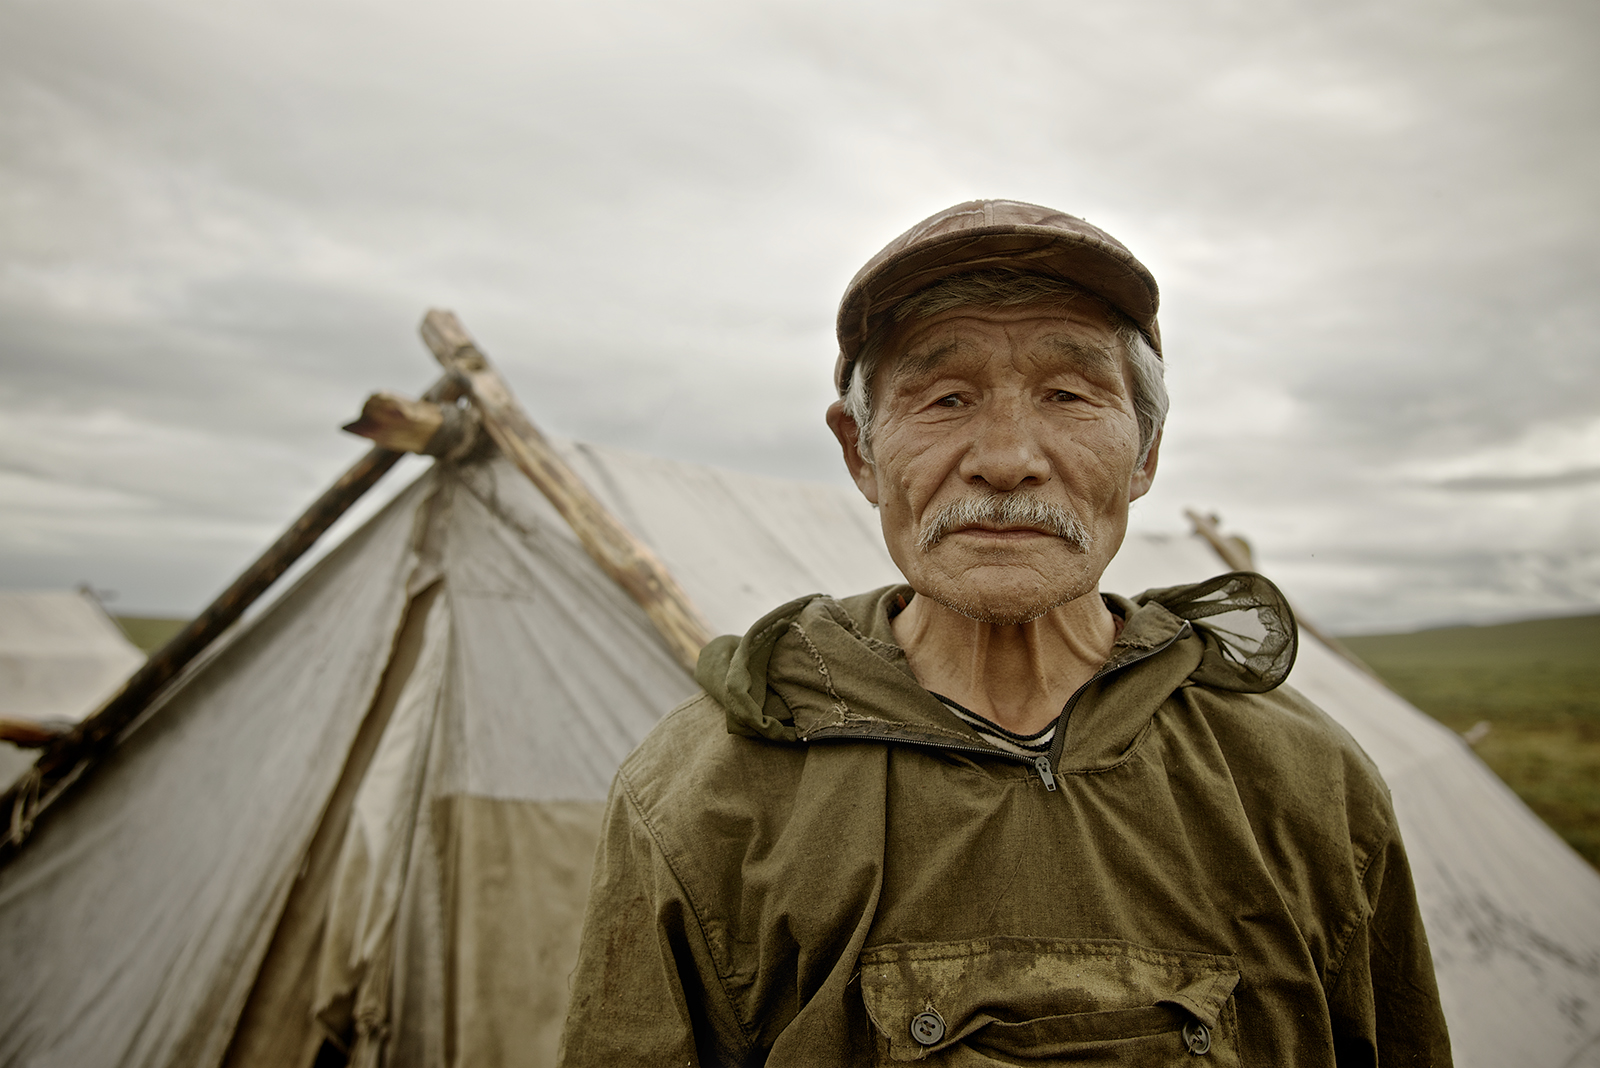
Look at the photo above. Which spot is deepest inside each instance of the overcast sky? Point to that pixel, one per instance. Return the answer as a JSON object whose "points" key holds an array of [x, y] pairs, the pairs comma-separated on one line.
{"points": [[1376, 226]]}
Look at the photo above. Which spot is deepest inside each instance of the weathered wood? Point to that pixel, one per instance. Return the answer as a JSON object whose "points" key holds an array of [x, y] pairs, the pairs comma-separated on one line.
{"points": [[1235, 552], [392, 421], [397, 422], [629, 562], [31, 733], [65, 760]]}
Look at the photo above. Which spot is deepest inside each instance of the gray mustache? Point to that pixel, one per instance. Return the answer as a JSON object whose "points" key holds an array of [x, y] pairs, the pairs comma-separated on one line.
{"points": [[1004, 510]]}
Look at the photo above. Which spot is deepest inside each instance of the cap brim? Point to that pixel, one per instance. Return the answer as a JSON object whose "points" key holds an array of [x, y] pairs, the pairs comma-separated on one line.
{"points": [[1104, 269]]}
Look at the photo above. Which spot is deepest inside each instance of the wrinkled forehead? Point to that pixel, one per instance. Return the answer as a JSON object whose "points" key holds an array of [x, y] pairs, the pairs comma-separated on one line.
{"points": [[1081, 337]]}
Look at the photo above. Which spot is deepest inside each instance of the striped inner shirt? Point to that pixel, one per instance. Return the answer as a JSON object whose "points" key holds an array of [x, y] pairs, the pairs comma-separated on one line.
{"points": [[1028, 745]]}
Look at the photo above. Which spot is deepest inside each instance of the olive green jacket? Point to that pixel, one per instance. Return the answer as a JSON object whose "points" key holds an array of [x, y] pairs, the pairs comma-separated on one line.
{"points": [[816, 863]]}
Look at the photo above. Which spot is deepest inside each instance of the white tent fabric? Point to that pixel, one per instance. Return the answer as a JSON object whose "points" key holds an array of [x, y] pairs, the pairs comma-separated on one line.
{"points": [[131, 923], [1513, 914], [377, 805], [60, 657]]}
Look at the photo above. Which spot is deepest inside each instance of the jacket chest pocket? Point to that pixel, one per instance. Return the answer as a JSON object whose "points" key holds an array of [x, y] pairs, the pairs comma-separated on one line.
{"points": [[1043, 1001]]}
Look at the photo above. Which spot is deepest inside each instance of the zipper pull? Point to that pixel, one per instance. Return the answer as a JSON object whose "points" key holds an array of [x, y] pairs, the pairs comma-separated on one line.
{"points": [[1041, 764]]}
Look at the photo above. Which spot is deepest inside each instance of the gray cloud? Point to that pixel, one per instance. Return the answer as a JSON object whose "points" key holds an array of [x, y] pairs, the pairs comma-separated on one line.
{"points": [[1522, 483], [1375, 224]]}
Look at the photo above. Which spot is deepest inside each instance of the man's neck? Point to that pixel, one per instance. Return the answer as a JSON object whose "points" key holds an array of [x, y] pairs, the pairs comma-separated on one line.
{"points": [[1018, 676]]}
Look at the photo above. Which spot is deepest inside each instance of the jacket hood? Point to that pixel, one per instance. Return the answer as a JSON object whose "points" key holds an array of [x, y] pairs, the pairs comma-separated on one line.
{"points": [[819, 668]]}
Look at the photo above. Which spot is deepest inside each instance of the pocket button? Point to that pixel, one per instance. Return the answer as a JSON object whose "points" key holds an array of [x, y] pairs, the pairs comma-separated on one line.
{"points": [[927, 1028], [1197, 1036]]}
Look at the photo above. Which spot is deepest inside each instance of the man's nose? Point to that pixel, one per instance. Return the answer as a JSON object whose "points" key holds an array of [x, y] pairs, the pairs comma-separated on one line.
{"points": [[1005, 452]]}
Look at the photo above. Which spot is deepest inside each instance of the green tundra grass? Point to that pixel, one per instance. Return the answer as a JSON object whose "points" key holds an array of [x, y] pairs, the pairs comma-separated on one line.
{"points": [[1537, 685]]}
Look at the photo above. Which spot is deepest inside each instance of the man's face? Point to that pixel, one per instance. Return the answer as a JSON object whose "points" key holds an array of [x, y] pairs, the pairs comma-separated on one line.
{"points": [[1030, 403]]}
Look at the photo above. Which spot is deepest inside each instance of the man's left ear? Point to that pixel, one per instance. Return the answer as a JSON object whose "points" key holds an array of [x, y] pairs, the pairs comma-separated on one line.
{"points": [[1145, 474]]}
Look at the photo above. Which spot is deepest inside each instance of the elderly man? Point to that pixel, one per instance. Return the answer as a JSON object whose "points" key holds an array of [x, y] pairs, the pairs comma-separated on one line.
{"points": [[995, 816]]}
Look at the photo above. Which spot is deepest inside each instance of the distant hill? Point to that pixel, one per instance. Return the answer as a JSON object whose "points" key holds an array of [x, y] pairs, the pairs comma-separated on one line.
{"points": [[149, 632], [1537, 685]]}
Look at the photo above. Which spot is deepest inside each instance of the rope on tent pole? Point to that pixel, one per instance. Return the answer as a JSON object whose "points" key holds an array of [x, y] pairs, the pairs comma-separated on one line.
{"points": [[1235, 552], [629, 562], [65, 759]]}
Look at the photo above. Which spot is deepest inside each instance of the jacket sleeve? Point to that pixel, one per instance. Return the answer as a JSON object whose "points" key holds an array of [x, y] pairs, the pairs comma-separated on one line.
{"points": [[1385, 1001], [646, 990]]}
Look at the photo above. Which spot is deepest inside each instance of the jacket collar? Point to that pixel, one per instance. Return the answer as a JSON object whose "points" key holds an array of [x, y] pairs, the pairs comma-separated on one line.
{"points": [[819, 669]]}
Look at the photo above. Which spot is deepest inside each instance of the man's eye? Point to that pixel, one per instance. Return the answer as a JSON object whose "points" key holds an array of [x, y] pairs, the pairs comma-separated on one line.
{"points": [[950, 401], [1065, 395]]}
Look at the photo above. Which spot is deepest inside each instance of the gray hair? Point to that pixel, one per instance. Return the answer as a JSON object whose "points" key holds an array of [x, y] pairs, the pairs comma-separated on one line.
{"points": [[1001, 288]]}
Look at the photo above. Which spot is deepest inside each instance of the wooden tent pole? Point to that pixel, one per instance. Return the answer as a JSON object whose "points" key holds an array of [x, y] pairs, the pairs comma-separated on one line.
{"points": [[30, 733], [618, 552], [1235, 552], [65, 759]]}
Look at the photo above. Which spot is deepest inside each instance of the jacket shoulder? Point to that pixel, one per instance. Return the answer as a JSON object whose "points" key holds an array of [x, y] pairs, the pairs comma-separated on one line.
{"points": [[1288, 729], [690, 763], [1292, 763]]}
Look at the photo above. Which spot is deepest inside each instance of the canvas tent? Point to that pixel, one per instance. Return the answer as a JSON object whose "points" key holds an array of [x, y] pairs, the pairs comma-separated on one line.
{"points": [[375, 804], [60, 656]]}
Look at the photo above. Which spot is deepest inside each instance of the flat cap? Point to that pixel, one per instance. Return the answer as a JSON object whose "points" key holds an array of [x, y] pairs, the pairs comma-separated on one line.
{"points": [[982, 234]]}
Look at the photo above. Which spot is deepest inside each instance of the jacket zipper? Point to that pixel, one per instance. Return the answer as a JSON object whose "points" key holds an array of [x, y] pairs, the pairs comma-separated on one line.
{"points": [[1043, 766], [1058, 743]]}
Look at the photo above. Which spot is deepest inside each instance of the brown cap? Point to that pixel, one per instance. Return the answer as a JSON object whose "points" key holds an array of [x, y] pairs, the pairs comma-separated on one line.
{"points": [[994, 233]]}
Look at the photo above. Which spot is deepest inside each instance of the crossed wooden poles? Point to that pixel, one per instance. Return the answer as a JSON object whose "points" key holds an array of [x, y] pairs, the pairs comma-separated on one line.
{"points": [[434, 425]]}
